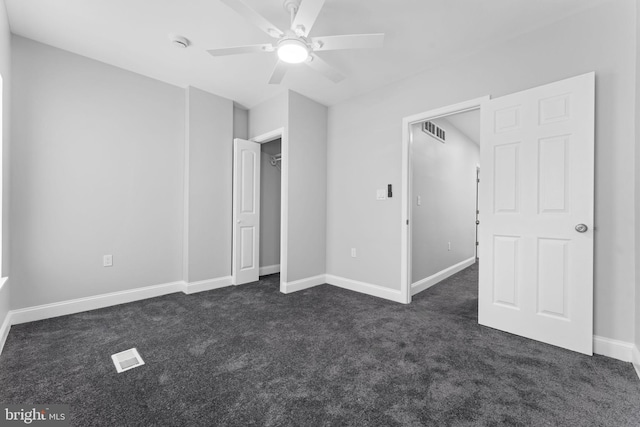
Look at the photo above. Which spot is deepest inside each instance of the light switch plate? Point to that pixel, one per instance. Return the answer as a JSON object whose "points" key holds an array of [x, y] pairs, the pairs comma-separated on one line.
{"points": [[107, 261], [381, 194]]}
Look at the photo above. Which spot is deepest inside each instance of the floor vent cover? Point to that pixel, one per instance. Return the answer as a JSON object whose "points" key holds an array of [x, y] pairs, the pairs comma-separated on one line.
{"points": [[127, 359]]}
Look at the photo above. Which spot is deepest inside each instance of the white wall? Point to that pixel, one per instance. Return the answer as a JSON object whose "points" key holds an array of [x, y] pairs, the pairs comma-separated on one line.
{"points": [[210, 148], [240, 123], [270, 187], [444, 176], [307, 130], [96, 168], [364, 148], [269, 115], [5, 70]]}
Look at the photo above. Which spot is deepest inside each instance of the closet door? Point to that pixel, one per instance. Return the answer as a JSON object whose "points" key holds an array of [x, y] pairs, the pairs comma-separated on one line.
{"points": [[246, 211]]}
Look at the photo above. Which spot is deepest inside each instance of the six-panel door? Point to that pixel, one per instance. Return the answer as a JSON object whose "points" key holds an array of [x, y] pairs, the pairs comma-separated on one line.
{"points": [[537, 157]]}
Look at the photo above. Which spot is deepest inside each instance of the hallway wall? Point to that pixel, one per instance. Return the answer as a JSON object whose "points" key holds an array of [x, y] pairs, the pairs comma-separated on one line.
{"points": [[444, 177]]}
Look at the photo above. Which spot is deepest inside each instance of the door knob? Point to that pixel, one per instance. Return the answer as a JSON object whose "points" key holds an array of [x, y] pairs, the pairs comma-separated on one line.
{"points": [[239, 221], [581, 228]]}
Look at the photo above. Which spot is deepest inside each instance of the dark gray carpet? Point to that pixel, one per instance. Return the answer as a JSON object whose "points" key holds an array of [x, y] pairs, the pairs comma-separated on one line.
{"points": [[325, 356]]}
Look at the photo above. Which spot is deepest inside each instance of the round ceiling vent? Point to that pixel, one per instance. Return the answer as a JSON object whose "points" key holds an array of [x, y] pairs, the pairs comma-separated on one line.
{"points": [[179, 41]]}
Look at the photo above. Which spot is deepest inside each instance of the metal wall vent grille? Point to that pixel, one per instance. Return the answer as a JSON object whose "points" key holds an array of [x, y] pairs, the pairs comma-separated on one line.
{"points": [[435, 131], [127, 359]]}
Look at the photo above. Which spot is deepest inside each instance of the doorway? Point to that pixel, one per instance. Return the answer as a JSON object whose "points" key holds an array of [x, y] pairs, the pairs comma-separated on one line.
{"points": [[444, 155], [410, 130], [262, 155], [270, 201]]}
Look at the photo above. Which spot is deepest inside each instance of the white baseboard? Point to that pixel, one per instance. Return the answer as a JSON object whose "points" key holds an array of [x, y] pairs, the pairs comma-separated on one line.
{"points": [[299, 285], [4, 330], [206, 285], [635, 359], [269, 269], [615, 349], [366, 288], [428, 282], [63, 308], [79, 305]]}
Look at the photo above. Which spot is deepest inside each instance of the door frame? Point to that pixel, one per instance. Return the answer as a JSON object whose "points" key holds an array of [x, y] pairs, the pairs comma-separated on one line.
{"points": [[477, 208], [284, 193], [405, 235]]}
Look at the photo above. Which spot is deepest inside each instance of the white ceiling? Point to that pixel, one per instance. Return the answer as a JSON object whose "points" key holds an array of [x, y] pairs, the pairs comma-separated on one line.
{"points": [[133, 34], [468, 123]]}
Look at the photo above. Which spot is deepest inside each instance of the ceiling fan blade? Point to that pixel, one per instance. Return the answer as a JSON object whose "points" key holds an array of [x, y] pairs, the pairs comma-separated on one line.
{"points": [[321, 66], [254, 17], [349, 41], [278, 73], [241, 49], [306, 15]]}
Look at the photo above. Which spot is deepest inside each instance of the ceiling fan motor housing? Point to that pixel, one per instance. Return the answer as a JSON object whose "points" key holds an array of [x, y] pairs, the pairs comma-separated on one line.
{"points": [[293, 50]]}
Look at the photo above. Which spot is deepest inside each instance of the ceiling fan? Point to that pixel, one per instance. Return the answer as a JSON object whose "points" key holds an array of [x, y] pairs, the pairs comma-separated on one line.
{"points": [[294, 45]]}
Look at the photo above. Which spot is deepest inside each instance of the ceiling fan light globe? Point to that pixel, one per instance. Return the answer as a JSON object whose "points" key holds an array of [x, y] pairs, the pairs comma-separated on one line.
{"points": [[293, 51]]}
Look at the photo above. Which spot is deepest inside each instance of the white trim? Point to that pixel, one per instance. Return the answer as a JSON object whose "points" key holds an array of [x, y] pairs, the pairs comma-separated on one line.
{"points": [[635, 359], [269, 136], [206, 285], [366, 288], [186, 204], [4, 330], [405, 233], [3, 281], [615, 349], [284, 207], [299, 285], [269, 269], [428, 282], [63, 308]]}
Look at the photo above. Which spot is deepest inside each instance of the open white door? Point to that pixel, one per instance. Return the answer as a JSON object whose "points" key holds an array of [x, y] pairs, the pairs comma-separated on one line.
{"points": [[246, 211], [536, 213]]}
